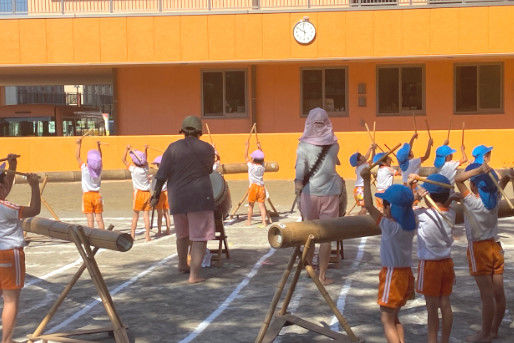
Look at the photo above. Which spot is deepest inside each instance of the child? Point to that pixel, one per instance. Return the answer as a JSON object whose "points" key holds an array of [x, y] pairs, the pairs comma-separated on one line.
{"points": [[485, 254], [435, 266], [162, 206], [92, 203], [482, 154], [141, 184], [12, 258], [385, 176], [443, 161], [398, 225], [257, 192], [409, 164], [360, 162]]}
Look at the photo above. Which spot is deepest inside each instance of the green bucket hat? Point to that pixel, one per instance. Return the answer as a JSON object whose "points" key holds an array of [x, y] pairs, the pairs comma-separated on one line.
{"points": [[192, 123]]}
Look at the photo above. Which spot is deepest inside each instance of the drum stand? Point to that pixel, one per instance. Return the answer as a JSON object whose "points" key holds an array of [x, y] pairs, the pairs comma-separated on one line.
{"points": [[221, 237], [268, 332], [117, 329]]}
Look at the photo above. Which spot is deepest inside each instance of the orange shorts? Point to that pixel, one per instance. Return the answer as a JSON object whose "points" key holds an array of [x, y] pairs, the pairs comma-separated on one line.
{"points": [[163, 201], [358, 195], [396, 286], [92, 202], [485, 257], [435, 277], [12, 269], [141, 200], [256, 193]]}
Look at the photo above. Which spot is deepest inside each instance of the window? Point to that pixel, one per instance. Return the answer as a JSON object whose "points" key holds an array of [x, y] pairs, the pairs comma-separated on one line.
{"points": [[400, 90], [224, 93], [325, 88], [479, 88]]}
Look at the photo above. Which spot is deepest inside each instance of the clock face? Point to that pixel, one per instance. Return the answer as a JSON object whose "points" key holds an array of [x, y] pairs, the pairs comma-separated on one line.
{"points": [[304, 32]]}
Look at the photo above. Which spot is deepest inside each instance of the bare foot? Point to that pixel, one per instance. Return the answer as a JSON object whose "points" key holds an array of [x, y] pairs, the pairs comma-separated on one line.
{"points": [[248, 223], [479, 338], [184, 270], [326, 281], [147, 238], [167, 232], [193, 281]]}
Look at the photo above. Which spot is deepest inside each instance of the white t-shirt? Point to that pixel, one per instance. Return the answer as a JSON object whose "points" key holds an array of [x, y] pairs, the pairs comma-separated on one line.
{"points": [[11, 233], [413, 168], [434, 233], [359, 182], [255, 173], [140, 178], [395, 244], [385, 177], [485, 225], [449, 169], [89, 183]]}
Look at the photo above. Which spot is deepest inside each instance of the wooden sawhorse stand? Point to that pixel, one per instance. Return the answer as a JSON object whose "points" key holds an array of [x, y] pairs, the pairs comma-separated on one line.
{"points": [[117, 329], [221, 237], [268, 332]]}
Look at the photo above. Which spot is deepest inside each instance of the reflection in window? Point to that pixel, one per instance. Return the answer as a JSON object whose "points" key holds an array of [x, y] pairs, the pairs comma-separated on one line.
{"points": [[400, 90], [224, 93], [324, 88], [478, 88]]}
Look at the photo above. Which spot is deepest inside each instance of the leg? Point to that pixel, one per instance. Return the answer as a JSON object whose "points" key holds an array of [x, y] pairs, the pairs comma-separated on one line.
{"points": [[197, 253], [90, 221], [432, 304], [262, 209], [168, 221], [485, 285], [399, 328], [324, 257], [135, 217], [447, 314], [159, 221], [146, 217], [182, 249], [100, 221], [11, 299], [388, 316], [499, 297], [250, 213]]}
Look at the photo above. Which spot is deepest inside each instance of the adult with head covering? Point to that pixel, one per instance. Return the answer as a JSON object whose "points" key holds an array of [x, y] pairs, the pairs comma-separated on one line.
{"points": [[186, 165], [317, 181]]}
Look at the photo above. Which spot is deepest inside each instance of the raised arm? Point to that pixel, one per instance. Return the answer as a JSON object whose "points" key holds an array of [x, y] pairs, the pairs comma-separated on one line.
{"points": [[247, 148], [146, 151], [35, 200], [464, 157], [461, 177], [368, 198], [98, 145], [411, 142], [506, 178], [13, 163], [124, 158], [427, 152], [371, 149], [77, 151]]}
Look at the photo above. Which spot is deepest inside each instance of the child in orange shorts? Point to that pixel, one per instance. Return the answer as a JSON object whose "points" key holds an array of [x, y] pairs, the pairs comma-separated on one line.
{"points": [[256, 192], [162, 206], [92, 202], [398, 224], [360, 162], [12, 258], [141, 183], [485, 253]]}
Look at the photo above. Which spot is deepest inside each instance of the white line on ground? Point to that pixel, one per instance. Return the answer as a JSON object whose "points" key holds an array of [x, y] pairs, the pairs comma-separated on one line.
{"points": [[203, 325], [341, 301], [84, 219], [115, 291]]}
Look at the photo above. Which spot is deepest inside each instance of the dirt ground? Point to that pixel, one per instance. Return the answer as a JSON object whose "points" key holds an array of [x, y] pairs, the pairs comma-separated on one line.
{"points": [[156, 303]]}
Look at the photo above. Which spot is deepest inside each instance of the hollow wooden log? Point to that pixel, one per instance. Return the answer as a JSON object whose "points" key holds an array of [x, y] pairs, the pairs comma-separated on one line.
{"points": [[284, 235], [237, 168], [105, 239]]}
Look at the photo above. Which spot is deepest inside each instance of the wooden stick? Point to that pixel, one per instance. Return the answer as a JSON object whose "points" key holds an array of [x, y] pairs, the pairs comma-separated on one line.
{"points": [[256, 137], [5, 158], [240, 203], [155, 149], [351, 209], [463, 125], [374, 130], [42, 188], [449, 129], [428, 129], [18, 173], [251, 131], [388, 148], [87, 132], [414, 121], [501, 190], [424, 179], [436, 208], [369, 133], [50, 209], [385, 155], [137, 157], [209, 132]]}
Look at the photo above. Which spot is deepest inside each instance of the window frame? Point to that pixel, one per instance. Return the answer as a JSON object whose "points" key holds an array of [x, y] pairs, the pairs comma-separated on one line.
{"points": [[500, 110], [401, 112], [224, 115], [344, 113]]}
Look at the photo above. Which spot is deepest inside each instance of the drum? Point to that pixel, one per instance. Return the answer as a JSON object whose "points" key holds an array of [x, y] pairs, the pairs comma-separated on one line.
{"points": [[222, 200]]}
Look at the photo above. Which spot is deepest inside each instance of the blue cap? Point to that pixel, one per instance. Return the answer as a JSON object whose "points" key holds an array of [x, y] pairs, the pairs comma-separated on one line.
{"points": [[401, 198], [354, 159], [479, 152], [431, 188], [487, 189], [440, 155], [403, 156], [378, 156]]}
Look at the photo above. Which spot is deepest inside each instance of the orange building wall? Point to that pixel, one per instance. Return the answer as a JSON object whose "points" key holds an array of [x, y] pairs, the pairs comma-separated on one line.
{"points": [[257, 37], [156, 99]]}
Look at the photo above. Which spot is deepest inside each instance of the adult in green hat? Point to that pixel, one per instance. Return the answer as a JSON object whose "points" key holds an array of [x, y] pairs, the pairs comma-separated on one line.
{"points": [[186, 165]]}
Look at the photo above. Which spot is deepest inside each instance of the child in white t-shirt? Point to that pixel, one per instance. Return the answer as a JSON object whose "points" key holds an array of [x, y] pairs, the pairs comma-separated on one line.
{"points": [[256, 192], [92, 202], [409, 164], [162, 207], [444, 163], [385, 176], [141, 183], [360, 162]]}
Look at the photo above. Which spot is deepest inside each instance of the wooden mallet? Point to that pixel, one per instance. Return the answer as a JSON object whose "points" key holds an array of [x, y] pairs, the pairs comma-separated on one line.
{"points": [[449, 129], [463, 125], [251, 131], [414, 121], [209, 132]]}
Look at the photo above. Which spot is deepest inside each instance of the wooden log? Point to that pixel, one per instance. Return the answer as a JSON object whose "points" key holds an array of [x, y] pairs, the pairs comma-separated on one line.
{"points": [[237, 168], [284, 235], [111, 240]]}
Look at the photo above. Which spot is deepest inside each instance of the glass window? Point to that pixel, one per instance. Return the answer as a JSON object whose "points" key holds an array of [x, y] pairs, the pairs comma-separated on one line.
{"points": [[325, 88], [478, 88], [400, 90], [224, 93]]}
